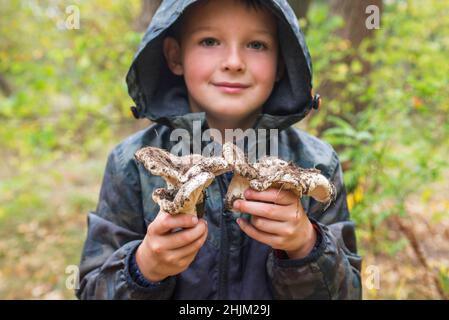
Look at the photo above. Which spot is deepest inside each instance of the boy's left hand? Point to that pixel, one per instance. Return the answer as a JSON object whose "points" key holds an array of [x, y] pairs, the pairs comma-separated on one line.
{"points": [[278, 220]]}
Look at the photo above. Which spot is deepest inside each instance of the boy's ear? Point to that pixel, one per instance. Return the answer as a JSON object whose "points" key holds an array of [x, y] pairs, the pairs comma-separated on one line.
{"points": [[172, 53], [280, 69]]}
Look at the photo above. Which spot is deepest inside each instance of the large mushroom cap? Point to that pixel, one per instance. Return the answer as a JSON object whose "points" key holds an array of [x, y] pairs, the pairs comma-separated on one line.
{"points": [[166, 165], [187, 178], [187, 198], [274, 172], [279, 173]]}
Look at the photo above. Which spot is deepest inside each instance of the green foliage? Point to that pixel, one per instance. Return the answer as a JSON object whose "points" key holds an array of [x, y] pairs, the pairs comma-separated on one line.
{"points": [[398, 143], [443, 278], [68, 107], [390, 129], [69, 88]]}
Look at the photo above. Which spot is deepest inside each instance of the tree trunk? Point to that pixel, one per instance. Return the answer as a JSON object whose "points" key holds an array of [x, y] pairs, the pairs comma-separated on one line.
{"points": [[147, 12], [5, 86], [301, 7], [355, 31], [354, 14]]}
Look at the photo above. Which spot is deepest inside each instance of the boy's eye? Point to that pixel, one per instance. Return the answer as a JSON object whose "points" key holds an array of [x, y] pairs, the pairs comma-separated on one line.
{"points": [[209, 42], [257, 45]]}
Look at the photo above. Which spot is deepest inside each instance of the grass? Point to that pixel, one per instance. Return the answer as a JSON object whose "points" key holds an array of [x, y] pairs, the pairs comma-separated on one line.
{"points": [[43, 226]]}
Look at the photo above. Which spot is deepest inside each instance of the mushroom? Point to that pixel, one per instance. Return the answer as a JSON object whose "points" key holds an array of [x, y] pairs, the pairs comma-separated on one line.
{"points": [[243, 173], [273, 172], [187, 177]]}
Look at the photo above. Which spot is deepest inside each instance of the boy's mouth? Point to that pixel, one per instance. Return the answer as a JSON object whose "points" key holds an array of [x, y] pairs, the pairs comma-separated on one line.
{"points": [[231, 87]]}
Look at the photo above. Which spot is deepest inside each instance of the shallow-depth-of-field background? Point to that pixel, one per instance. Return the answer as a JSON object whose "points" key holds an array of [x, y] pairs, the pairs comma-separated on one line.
{"points": [[64, 105]]}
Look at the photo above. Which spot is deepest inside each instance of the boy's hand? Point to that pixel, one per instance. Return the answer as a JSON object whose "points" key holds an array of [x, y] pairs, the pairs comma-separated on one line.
{"points": [[164, 253], [278, 220]]}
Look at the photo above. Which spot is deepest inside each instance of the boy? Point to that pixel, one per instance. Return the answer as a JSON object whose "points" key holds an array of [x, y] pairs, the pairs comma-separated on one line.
{"points": [[230, 64]]}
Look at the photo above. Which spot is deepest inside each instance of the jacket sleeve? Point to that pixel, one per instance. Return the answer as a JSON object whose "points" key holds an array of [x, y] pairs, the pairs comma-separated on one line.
{"points": [[332, 270], [115, 231]]}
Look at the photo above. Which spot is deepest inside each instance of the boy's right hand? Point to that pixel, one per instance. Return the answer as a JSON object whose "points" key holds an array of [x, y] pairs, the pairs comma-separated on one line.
{"points": [[164, 253]]}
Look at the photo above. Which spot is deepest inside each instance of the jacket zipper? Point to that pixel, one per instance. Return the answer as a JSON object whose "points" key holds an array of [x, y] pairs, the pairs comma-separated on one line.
{"points": [[224, 245]]}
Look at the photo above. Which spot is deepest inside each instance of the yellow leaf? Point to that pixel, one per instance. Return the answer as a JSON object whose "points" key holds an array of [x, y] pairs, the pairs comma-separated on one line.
{"points": [[350, 200], [426, 195]]}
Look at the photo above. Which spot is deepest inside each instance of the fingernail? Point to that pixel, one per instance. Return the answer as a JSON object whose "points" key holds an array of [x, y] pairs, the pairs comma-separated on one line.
{"points": [[236, 204], [194, 220], [205, 221], [247, 193]]}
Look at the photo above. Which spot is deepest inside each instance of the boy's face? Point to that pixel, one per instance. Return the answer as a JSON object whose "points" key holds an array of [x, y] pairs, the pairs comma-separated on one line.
{"points": [[228, 55]]}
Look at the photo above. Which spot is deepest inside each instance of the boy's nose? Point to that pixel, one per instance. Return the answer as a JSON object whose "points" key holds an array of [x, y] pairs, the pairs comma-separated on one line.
{"points": [[233, 61]]}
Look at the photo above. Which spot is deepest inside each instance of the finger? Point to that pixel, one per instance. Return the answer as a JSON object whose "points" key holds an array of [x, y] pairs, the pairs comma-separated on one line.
{"points": [[277, 196], [185, 237], [192, 248], [165, 222], [269, 226], [267, 238], [187, 250], [262, 209]]}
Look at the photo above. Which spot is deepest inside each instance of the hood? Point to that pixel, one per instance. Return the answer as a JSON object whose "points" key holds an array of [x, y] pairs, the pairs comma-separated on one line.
{"points": [[161, 96]]}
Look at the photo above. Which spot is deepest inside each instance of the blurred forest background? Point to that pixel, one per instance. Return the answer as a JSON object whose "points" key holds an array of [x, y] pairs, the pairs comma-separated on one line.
{"points": [[64, 105]]}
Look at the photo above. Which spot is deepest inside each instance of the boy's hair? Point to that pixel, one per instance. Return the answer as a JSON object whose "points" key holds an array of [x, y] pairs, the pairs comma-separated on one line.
{"points": [[174, 30]]}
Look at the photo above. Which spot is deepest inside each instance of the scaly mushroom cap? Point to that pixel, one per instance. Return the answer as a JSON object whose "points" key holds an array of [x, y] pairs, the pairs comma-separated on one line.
{"points": [[187, 178], [166, 165], [187, 199], [278, 173], [273, 172], [237, 161]]}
